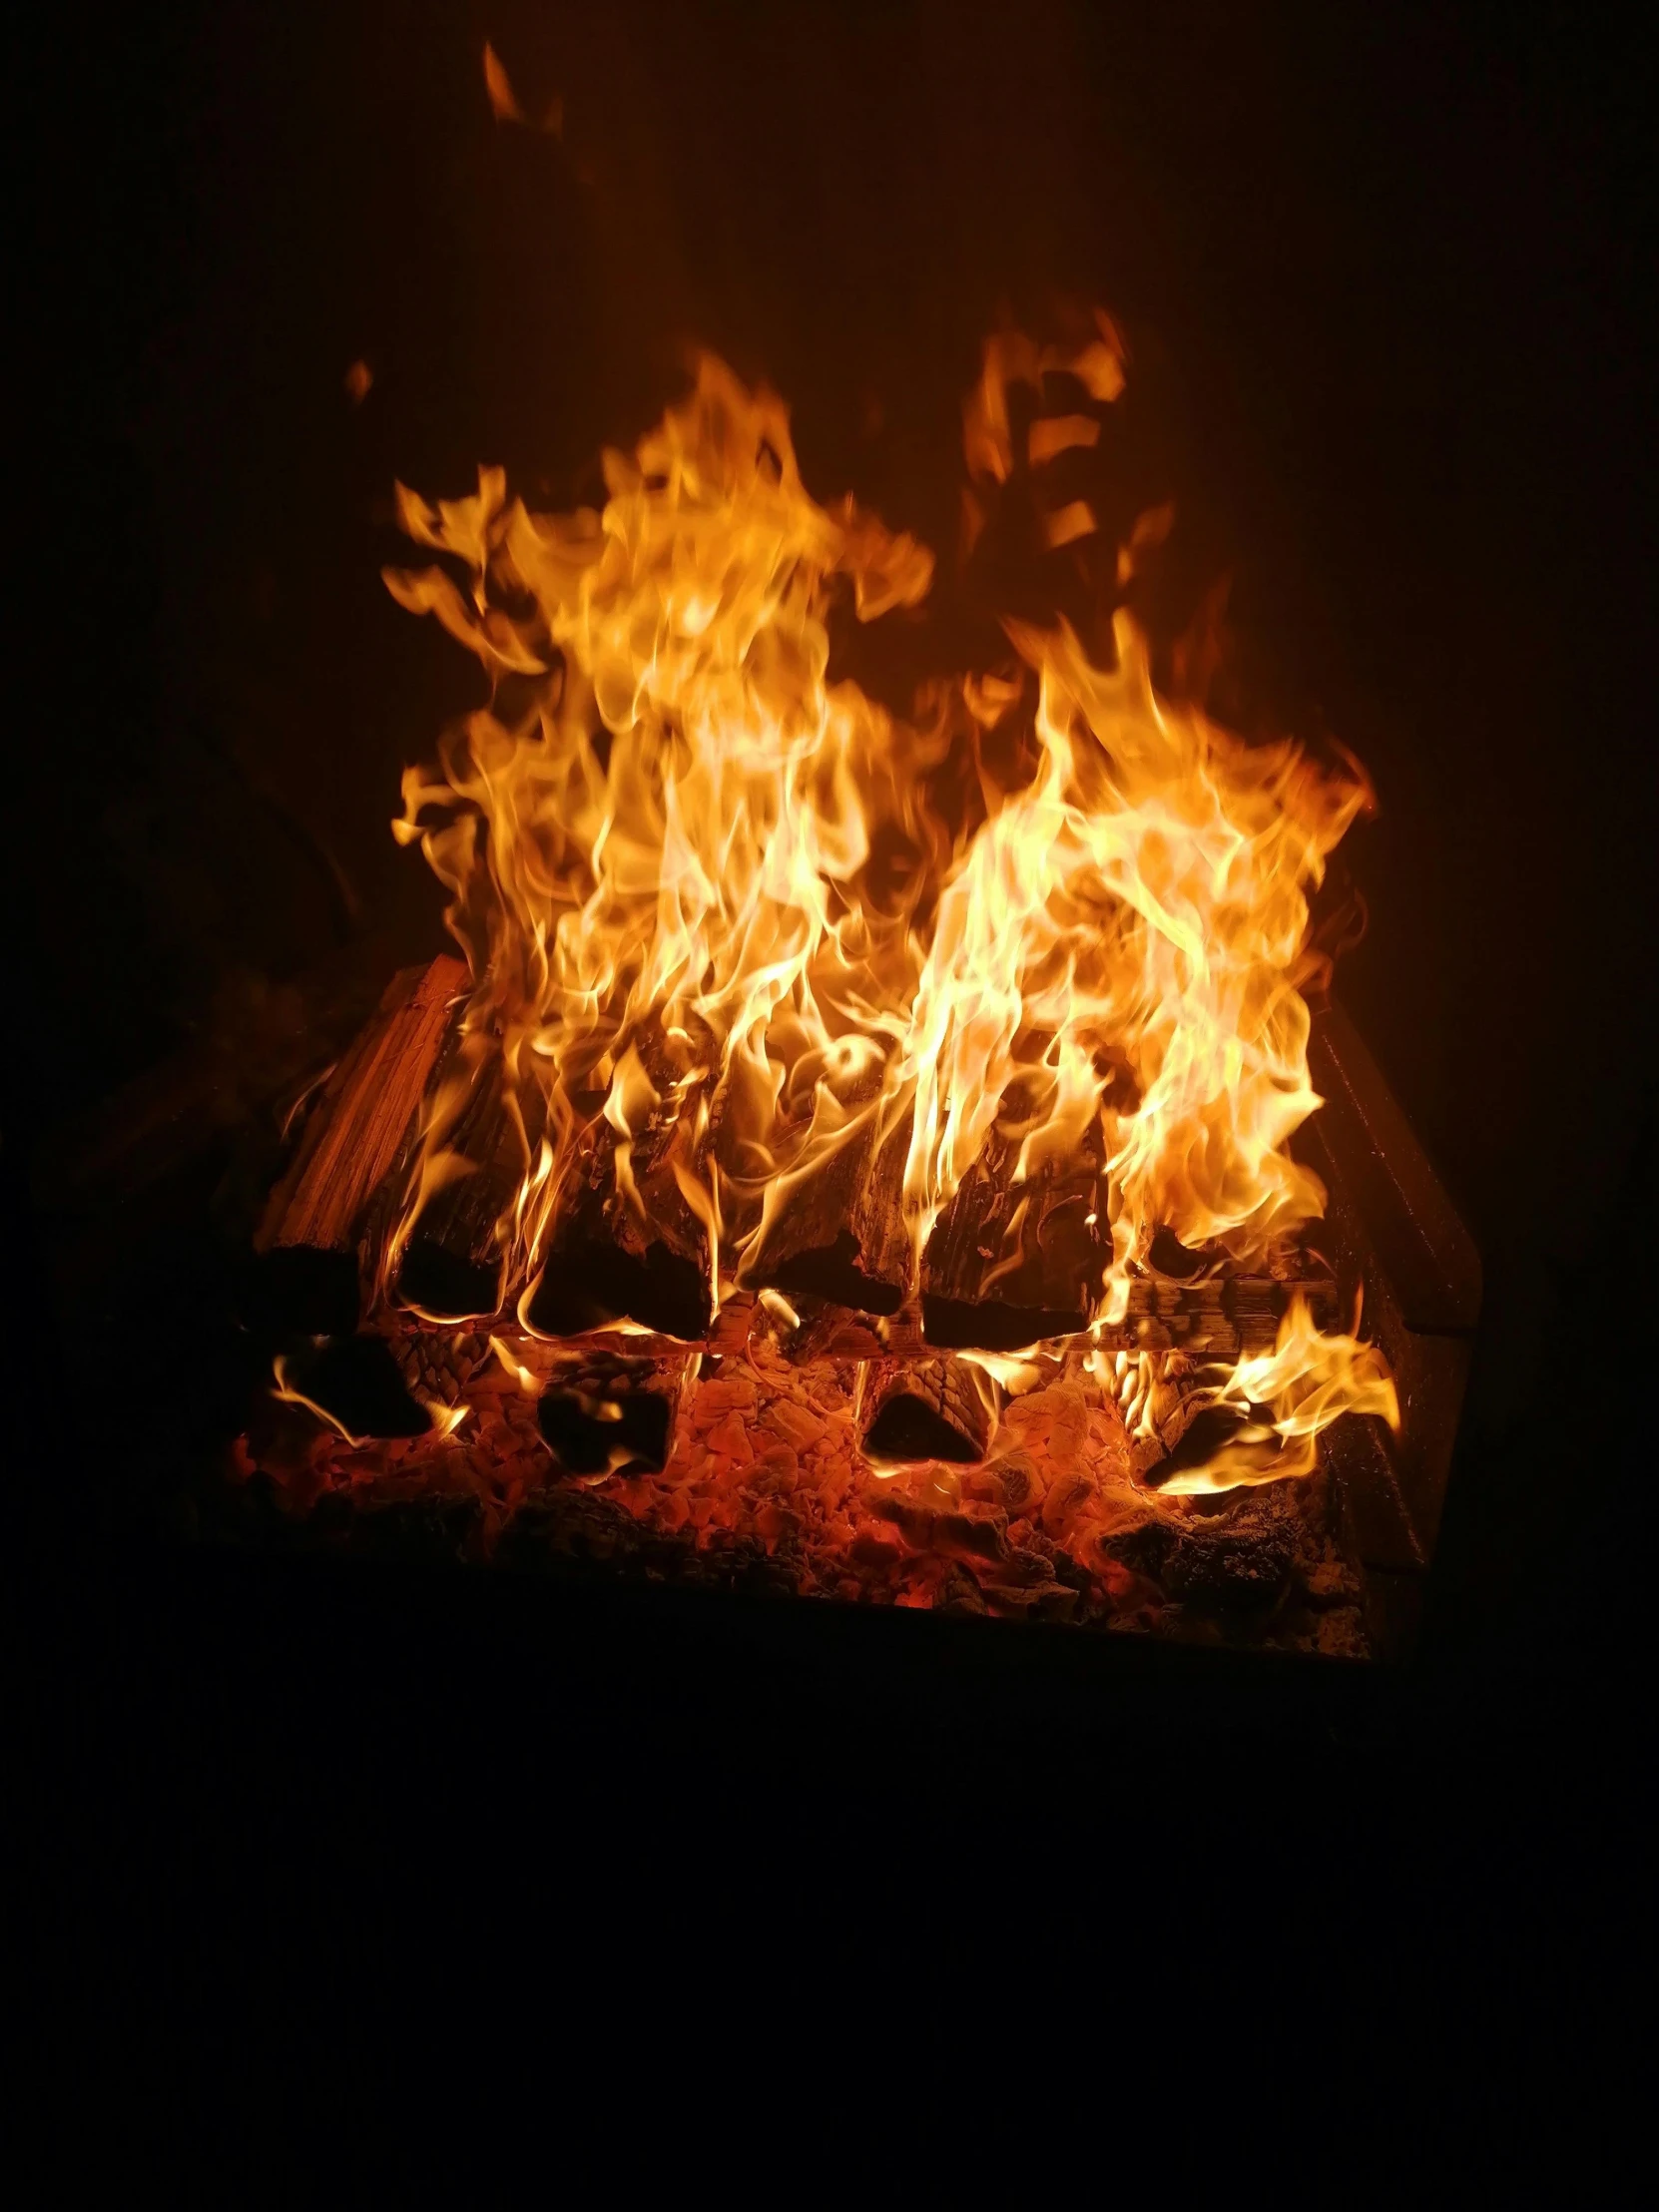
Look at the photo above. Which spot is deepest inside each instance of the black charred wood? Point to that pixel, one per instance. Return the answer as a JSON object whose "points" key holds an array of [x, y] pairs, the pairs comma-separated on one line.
{"points": [[358, 1382], [931, 1410], [448, 1284], [585, 1286], [605, 1430], [833, 1272]]}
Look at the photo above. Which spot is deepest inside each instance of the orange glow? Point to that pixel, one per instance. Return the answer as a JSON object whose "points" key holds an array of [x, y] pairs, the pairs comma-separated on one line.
{"points": [[1300, 1387], [504, 101], [669, 842]]}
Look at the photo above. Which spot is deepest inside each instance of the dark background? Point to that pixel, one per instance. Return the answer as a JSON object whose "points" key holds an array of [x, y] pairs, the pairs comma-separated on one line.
{"points": [[1387, 278]]}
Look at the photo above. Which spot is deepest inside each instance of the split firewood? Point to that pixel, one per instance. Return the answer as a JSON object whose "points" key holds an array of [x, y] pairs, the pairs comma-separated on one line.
{"points": [[628, 1245], [585, 1285], [931, 1409], [812, 1247], [878, 1224], [451, 1264], [356, 1384], [1011, 1264], [1005, 1266], [605, 1413], [354, 1137], [1239, 1557]]}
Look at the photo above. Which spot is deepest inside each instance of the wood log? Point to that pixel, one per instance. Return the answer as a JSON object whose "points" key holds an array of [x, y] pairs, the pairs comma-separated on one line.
{"points": [[925, 1409], [812, 1247], [1011, 1263], [451, 1268], [605, 1413], [606, 1262], [1005, 1264], [356, 1383], [1220, 1317], [362, 1122], [878, 1223], [586, 1285]]}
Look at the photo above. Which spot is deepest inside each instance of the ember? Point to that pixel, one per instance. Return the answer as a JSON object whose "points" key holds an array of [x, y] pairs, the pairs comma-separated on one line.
{"points": [[857, 1148]]}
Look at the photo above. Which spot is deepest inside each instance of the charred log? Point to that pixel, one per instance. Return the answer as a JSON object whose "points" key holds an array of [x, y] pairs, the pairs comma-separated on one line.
{"points": [[356, 1382], [590, 1285], [1237, 1556], [1031, 1251], [930, 1411], [961, 1324], [606, 1416], [453, 1265], [833, 1272], [606, 1264]]}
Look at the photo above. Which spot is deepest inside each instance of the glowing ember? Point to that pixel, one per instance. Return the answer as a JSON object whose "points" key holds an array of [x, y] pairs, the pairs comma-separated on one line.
{"points": [[707, 893]]}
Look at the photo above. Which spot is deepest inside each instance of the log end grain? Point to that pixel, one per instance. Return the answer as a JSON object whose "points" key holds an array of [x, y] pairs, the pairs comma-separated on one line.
{"points": [[930, 1411]]}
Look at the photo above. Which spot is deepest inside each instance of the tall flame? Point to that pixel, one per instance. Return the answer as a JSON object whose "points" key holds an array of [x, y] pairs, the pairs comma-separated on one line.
{"points": [[700, 884]]}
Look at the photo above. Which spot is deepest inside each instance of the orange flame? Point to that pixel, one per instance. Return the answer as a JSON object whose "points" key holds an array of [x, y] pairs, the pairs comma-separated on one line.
{"points": [[504, 101], [1283, 1398], [715, 901]]}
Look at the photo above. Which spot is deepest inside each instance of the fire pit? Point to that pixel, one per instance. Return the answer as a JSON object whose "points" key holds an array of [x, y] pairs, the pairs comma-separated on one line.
{"points": [[874, 1156]]}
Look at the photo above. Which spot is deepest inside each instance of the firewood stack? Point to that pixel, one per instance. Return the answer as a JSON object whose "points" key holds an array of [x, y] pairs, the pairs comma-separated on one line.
{"points": [[817, 1434], [840, 1256]]}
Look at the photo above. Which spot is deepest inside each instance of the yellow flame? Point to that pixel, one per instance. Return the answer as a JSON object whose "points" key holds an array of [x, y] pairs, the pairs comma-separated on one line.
{"points": [[445, 1420], [520, 1373], [1302, 1384], [285, 1390], [780, 1307], [728, 916]]}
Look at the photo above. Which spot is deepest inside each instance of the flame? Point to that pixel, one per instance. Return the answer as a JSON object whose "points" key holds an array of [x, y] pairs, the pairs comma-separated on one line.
{"points": [[504, 101], [726, 915], [283, 1390], [521, 1374], [1283, 1398]]}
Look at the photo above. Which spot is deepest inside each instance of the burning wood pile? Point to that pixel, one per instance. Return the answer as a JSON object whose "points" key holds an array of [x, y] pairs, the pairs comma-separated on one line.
{"points": [[855, 1153]]}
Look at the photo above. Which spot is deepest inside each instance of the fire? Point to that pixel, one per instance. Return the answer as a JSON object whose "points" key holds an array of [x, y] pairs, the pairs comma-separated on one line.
{"points": [[1281, 1399], [707, 888]]}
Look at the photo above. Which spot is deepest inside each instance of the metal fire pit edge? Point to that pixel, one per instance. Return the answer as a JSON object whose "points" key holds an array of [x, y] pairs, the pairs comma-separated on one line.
{"points": [[1397, 1241]]}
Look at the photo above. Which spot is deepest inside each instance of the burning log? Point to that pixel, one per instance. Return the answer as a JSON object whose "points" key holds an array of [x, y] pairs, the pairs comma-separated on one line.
{"points": [[931, 1409], [1008, 1264], [451, 1266], [589, 1283], [608, 1415], [1004, 1266], [1237, 1558], [606, 1264], [823, 1246], [356, 1384], [361, 1124]]}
